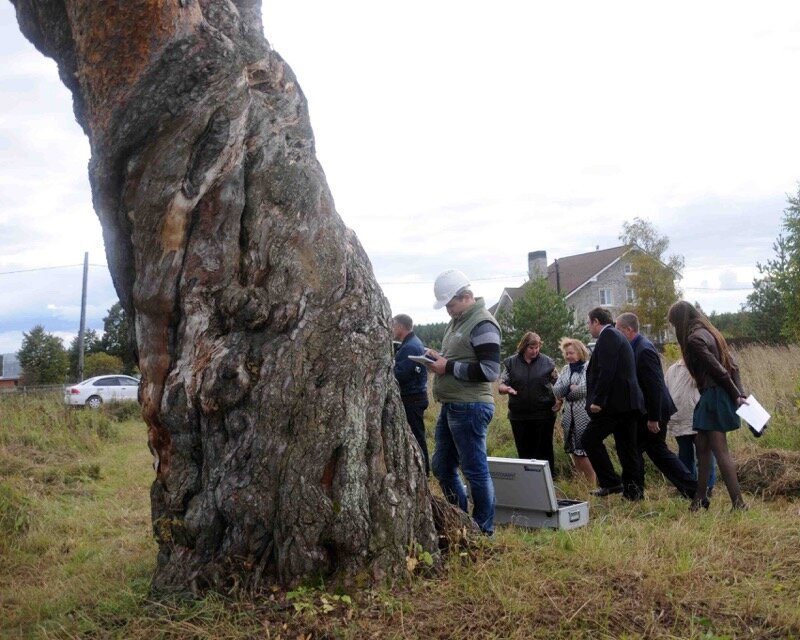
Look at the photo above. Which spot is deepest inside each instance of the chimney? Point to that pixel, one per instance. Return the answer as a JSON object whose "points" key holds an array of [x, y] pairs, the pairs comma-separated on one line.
{"points": [[537, 264]]}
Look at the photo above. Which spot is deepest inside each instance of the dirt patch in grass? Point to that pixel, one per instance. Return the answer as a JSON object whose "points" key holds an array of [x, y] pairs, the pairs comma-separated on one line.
{"points": [[769, 474]]}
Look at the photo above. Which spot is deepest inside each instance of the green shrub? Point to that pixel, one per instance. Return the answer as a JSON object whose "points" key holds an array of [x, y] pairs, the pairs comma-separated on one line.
{"points": [[97, 423], [797, 395], [672, 352], [122, 411], [105, 430]]}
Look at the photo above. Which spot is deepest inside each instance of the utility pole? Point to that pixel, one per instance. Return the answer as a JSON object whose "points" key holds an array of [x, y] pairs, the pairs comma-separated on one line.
{"points": [[82, 330]]}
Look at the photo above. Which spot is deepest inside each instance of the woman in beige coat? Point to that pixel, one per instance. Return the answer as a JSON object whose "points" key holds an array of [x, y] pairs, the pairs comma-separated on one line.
{"points": [[684, 393]]}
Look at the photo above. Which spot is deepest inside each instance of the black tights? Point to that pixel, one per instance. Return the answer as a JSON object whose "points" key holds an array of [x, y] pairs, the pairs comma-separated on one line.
{"points": [[706, 443]]}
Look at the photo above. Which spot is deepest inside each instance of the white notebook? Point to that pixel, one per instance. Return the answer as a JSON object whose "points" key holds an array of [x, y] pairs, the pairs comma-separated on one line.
{"points": [[753, 413]]}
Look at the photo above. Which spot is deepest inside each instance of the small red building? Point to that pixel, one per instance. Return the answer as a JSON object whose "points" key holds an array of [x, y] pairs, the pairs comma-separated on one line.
{"points": [[10, 371]]}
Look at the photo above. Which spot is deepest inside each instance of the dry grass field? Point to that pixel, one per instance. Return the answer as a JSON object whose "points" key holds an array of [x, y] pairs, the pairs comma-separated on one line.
{"points": [[76, 551]]}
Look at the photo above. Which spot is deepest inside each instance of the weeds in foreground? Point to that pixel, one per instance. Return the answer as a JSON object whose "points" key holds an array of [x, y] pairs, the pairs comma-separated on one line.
{"points": [[15, 515]]}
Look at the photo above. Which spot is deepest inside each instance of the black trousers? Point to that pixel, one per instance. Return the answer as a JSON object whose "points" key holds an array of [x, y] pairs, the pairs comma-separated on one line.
{"points": [[623, 428], [534, 439], [415, 413], [655, 446]]}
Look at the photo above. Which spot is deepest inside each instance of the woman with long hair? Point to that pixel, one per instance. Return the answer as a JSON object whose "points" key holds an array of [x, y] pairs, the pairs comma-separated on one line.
{"points": [[713, 368]]}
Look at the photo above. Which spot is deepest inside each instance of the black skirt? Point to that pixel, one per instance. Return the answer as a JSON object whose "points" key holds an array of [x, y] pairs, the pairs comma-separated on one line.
{"points": [[715, 411]]}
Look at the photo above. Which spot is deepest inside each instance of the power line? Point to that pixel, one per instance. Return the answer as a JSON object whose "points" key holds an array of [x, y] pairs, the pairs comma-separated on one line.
{"points": [[63, 266]]}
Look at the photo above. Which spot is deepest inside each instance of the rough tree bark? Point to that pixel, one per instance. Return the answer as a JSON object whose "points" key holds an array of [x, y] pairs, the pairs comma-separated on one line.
{"points": [[263, 339]]}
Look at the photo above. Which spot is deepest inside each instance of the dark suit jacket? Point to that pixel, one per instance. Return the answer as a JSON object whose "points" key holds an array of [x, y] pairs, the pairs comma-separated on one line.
{"points": [[657, 401], [611, 375]]}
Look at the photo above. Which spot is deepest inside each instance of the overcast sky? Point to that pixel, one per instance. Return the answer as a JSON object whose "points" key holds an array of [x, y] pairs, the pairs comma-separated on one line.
{"points": [[466, 134]]}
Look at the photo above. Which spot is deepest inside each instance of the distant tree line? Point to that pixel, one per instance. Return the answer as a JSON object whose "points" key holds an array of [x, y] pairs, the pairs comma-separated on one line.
{"points": [[44, 360], [431, 334]]}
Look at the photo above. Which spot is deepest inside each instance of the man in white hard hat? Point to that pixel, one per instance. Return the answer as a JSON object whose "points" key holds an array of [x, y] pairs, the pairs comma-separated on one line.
{"points": [[465, 369]]}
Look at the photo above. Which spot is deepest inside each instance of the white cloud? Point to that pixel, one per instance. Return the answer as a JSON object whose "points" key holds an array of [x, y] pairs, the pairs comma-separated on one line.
{"points": [[10, 341]]}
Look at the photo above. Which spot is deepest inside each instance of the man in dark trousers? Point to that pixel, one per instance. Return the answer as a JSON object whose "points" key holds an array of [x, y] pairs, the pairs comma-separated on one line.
{"points": [[614, 402], [651, 433], [413, 380]]}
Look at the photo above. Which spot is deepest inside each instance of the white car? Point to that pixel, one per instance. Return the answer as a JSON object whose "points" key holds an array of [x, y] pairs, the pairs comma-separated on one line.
{"points": [[95, 391]]}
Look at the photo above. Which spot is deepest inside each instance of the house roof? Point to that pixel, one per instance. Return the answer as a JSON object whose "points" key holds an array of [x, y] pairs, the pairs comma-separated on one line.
{"points": [[575, 271]]}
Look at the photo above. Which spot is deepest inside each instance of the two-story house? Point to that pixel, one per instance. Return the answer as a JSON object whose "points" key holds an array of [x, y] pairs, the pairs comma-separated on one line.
{"points": [[587, 280]]}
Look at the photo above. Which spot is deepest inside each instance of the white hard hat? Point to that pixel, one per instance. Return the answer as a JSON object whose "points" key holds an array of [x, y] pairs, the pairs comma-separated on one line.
{"points": [[447, 285]]}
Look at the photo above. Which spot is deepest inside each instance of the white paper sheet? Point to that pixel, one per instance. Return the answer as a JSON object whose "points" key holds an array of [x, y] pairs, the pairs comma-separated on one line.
{"points": [[753, 413]]}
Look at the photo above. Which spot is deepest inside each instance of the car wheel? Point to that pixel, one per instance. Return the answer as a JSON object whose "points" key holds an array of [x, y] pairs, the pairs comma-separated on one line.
{"points": [[94, 402]]}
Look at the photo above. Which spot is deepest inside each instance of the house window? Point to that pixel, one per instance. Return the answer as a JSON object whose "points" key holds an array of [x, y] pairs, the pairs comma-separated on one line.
{"points": [[628, 268], [630, 296], [605, 296]]}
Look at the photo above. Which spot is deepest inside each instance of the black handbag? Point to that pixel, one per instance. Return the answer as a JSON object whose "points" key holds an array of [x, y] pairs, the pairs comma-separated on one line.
{"points": [[758, 434]]}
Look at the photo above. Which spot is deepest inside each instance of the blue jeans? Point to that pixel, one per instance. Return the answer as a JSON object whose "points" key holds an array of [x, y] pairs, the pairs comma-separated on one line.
{"points": [[687, 455], [461, 441]]}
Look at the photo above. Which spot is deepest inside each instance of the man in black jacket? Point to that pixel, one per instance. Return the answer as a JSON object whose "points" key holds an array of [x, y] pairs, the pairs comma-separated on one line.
{"points": [[614, 402], [651, 433], [413, 380]]}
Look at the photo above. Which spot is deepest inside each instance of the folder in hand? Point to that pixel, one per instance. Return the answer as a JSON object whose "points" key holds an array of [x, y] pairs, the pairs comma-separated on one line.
{"points": [[754, 414]]}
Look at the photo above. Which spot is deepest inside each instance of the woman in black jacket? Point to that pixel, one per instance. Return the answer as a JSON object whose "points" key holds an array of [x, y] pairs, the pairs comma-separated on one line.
{"points": [[528, 381], [713, 368]]}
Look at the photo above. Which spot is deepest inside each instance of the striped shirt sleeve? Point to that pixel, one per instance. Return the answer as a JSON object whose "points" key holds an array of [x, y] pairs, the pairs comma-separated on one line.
{"points": [[485, 340]]}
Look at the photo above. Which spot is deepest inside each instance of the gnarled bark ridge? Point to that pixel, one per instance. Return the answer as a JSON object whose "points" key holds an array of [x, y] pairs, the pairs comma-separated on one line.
{"points": [[263, 339]]}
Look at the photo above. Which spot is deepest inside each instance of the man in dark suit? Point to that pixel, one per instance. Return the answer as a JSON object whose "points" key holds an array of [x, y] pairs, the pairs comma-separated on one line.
{"points": [[651, 432], [614, 402]]}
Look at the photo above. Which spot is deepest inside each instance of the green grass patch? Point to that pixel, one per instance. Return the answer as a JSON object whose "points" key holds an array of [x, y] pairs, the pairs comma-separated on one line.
{"points": [[77, 553]]}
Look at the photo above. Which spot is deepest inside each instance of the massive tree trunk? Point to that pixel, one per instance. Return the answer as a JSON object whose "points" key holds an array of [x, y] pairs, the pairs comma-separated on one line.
{"points": [[280, 443]]}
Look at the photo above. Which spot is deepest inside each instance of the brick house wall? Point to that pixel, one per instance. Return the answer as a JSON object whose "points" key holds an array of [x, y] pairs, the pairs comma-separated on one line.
{"points": [[613, 281]]}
